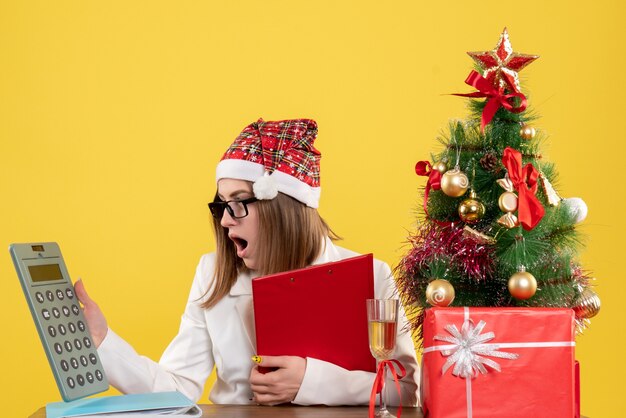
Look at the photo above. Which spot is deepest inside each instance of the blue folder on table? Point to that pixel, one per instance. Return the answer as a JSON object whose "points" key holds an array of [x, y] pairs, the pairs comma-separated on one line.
{"points": [[166, 403]]}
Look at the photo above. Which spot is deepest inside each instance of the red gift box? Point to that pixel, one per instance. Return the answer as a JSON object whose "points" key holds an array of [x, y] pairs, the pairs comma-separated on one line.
{"points": [[576, 389], [532, 347]]}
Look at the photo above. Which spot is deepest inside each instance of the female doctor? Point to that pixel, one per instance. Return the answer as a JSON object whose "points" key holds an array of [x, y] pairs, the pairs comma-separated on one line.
{"points": [[265, 221]]}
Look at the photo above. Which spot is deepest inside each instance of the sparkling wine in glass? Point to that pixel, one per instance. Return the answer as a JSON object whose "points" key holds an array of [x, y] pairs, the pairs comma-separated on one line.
{"points": [[382, 319]]}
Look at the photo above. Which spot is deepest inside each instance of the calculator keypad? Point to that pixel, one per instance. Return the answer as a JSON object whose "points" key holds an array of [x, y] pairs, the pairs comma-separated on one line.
{"points": [[74, 354]]}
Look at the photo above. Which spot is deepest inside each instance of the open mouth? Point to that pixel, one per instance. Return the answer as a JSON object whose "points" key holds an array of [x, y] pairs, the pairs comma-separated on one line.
{"points": [[240, 244]]}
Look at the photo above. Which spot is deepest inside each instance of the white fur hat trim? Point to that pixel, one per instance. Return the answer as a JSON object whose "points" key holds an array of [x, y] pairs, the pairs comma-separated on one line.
{"points": [[284, 183]]}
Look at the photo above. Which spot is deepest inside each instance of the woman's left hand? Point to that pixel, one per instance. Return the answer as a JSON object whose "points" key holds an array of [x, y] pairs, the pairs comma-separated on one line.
{"points": [[281, 385]]}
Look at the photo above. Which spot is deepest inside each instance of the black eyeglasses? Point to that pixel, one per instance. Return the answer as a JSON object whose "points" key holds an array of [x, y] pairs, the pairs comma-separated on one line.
{"points": [[236, 208]]}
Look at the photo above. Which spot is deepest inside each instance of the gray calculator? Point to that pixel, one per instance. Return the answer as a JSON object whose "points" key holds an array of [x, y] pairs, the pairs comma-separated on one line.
{"points": [[59, 319]]}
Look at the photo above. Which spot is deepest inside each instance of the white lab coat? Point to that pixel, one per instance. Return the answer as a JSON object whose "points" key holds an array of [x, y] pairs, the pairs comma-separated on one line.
{"points": [[223, 336]]}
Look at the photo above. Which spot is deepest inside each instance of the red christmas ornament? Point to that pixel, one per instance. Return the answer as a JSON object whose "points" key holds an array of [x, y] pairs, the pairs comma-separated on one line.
{"points": [[502, 60]]}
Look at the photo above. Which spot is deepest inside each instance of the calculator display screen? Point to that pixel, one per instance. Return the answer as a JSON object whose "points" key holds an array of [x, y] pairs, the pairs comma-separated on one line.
{"points": [[45, 272]]}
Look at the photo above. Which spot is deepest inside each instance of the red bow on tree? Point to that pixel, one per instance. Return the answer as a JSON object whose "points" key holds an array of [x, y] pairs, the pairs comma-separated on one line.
{"points": [[495, 96], [424, 168], [529, 208]]}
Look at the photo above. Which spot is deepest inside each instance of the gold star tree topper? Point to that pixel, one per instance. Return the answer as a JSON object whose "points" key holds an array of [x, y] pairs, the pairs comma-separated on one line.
{"points": [[502, 60]]}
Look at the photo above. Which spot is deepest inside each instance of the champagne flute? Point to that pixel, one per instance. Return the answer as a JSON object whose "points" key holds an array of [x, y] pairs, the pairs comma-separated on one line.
{"points": [[382, 319]]}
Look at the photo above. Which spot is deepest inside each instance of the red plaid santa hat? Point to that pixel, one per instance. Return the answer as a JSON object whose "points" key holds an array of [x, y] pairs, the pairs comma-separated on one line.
{"points": [[276, 157]]}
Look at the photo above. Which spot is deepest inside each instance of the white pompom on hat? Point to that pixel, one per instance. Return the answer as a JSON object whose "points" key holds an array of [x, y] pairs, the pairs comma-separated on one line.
{"points": [[276, 156]]}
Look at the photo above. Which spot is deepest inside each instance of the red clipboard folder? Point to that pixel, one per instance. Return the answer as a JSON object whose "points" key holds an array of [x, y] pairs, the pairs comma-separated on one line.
{"points": [[317, 312]]}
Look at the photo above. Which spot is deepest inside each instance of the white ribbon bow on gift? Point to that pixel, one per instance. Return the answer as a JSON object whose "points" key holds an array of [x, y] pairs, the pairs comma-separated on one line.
{"points": [[468, 349]]}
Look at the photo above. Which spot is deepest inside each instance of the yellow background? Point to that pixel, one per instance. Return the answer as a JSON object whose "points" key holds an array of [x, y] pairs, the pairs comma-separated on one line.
{"points": [[113, 115]]}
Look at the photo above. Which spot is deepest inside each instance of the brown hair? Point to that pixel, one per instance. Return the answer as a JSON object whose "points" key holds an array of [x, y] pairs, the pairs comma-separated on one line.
{"points": [[291, 235]]}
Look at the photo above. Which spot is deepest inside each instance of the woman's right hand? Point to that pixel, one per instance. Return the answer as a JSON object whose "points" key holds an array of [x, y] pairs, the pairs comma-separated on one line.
{"points": [[96, 321]]}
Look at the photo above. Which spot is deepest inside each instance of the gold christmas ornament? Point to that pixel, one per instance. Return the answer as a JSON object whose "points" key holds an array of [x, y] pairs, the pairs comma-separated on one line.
{"points": [[454, 183], [471, 210], [440, 166], [553, 197], [439, 293], [508, 202], [508, 220], [587, 305], [527, 132], [478, 236], [522, 285], [506, 183]]}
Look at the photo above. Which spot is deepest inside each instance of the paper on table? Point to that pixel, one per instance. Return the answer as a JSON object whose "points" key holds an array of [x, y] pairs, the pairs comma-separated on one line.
{"points": [[144, 405], [191, 412]]}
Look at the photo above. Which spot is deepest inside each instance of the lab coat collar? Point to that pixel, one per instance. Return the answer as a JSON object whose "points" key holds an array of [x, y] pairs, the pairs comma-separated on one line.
{"points": [[328, 254], [243, 285]]}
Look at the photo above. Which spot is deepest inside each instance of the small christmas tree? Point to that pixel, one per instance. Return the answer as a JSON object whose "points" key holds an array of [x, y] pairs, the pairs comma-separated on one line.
{"points": [[495, 231]]}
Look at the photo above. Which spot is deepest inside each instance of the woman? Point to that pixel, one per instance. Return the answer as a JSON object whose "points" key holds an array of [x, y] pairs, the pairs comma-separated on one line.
{"points": [[265, 221]]}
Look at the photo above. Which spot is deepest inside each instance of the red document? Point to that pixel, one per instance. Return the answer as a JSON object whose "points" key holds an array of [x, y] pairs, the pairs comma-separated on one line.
{"points": [[536, 381], [317, 312]]}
